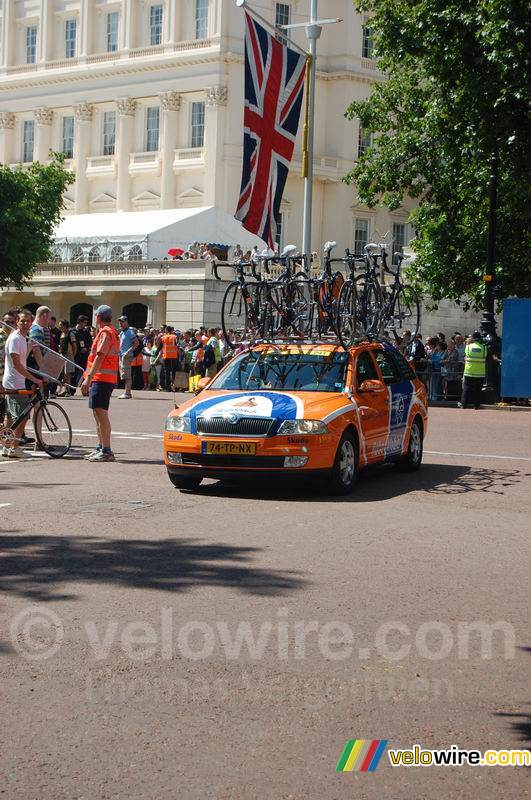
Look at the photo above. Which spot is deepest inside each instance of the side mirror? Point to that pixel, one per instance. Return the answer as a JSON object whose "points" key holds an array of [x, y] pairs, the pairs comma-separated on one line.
{"points": [[202, 384], [372, 385]]}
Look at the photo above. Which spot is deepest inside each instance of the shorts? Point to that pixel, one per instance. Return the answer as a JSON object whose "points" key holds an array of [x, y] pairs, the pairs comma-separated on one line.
{"points": [[100, 394], [125, 367], [16, 404]]}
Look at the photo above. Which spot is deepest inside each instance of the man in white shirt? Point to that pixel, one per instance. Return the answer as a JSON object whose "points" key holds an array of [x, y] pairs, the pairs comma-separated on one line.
{"points": [[15, 374]]}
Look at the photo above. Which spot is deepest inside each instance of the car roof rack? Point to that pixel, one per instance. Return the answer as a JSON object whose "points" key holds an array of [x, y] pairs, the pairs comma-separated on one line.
{"points": [[317, 340]]}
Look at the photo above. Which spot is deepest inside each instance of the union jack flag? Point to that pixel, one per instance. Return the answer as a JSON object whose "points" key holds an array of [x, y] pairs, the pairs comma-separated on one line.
{"points": [[274, 81]]}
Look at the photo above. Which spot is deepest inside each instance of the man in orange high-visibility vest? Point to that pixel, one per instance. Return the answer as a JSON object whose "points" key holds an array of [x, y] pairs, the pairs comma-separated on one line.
{"points": [[99, 380], [170, 356]]}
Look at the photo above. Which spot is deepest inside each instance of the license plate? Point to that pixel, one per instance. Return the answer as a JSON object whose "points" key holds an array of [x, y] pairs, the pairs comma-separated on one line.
{"points": [[229, 448]]}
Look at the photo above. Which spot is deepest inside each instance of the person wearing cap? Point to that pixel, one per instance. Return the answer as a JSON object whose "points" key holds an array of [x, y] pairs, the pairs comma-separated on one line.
{"points": [[474, 373], [128, 342], [99, 380]]}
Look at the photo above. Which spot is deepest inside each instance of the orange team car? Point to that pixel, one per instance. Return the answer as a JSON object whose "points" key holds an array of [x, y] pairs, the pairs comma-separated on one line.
{"points": [[303, 410]]}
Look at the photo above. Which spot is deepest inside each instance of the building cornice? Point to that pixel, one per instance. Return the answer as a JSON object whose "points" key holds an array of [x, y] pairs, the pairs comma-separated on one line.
{"points": [[158, 62]]}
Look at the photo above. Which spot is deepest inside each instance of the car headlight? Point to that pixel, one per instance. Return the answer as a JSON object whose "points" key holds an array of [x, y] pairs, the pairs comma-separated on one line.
{"points": [[302, 426], [183, 424]]}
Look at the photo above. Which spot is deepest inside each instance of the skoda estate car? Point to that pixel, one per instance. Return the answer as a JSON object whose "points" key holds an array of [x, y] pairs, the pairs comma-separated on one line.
{"points": [[300, 410]]}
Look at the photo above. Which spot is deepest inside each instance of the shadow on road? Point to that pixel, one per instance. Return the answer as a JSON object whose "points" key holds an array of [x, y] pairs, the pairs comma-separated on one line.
{"points": [[375, 483], [35, 566]]}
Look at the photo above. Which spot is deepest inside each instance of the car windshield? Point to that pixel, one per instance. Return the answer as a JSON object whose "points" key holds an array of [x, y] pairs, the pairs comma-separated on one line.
{"points": [[301, 372]]}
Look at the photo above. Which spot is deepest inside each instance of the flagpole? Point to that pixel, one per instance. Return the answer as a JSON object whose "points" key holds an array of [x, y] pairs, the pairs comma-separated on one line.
{"points": [[313, 32]]}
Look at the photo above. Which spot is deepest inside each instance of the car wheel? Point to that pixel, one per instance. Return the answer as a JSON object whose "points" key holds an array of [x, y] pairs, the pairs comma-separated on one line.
{"points": [[345, 469], [413, 458], [185, 483]]}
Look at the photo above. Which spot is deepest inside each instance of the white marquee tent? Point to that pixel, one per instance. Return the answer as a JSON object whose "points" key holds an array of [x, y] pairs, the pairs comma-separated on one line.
{"points": [[137, 235]]}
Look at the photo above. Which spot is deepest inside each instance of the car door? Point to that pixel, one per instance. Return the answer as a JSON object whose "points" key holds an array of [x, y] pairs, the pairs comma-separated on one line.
{"points": [[373, 407], [400, 392]]}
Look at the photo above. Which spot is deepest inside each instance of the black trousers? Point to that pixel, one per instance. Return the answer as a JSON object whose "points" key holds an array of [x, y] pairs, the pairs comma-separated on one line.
{"points": [[472, 391], [170, 368]]}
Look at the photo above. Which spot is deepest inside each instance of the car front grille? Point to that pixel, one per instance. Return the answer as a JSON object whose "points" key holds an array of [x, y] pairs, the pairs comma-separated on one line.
{"points": [[249, 462], [244, 426]]}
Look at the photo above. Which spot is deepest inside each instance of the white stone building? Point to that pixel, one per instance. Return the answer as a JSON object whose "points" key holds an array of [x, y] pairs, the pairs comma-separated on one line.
{"points": [[145, 98]]}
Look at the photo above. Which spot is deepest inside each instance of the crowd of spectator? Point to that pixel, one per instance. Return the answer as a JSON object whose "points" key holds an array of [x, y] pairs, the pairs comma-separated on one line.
{"points": [[438, 361]]}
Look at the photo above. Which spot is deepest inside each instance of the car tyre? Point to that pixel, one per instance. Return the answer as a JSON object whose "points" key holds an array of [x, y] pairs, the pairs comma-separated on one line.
{"points": [[413, 458], [345, 470], [185, 483]]}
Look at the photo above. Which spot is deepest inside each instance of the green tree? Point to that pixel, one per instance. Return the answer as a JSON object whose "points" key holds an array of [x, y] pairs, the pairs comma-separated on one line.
{"points": [[458, 89], [30, 207]]}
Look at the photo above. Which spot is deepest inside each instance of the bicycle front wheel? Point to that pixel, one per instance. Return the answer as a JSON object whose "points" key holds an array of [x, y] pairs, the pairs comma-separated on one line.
{"points": [[240, 313], [348, 326], [405, 312], [53, 430]]}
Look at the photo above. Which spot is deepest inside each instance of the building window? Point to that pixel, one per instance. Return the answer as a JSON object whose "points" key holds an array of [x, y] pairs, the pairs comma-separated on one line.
{"points": [[201, 19], [399, 239], [117, 253], [364, 141], [198, 124], [367, 41], [135, 253], [70, 38], [68, 137], [112, 32], [28, 140], [109, 132], [152, 129], [31, 44], [155, 25], [361, 235], [94, 254], [78, 254], [282, 16]]}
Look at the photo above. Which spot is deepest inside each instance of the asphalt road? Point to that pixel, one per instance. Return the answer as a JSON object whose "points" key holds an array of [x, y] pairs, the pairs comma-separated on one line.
{"points": [[227, 643]]}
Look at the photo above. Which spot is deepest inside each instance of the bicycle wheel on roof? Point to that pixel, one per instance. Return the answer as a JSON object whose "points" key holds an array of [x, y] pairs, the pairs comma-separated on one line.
{"points": [[405, 312]]}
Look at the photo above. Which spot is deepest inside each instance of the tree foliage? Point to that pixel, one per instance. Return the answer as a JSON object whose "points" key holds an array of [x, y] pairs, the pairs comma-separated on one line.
{"points": [[30, 207], [458, 89]]}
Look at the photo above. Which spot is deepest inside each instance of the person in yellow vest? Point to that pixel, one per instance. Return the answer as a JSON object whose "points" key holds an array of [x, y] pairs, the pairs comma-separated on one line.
{"points": [[475, 370], [99, 380]]}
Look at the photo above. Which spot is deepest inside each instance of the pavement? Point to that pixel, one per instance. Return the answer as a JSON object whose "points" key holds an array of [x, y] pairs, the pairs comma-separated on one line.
{"points": [[227, 643]]}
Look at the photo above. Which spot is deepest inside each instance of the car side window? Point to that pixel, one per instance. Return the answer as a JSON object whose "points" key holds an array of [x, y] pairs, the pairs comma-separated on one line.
{"points": [[387, 367], [404, 369], [365, 368]]}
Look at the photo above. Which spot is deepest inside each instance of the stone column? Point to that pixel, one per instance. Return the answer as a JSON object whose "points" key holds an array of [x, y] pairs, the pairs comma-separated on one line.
{"points": [[170, 103], [43, 118], [8, 33], [216, 101], [44, 35], [7, 126], [86, 15], [129, 12], [126, 114], [82, 148]]}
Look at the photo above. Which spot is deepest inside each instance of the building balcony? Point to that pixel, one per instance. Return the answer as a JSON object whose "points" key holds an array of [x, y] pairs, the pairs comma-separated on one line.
{"points": [[188, 158], [144, 163], [324, 167], [100, 165]]}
